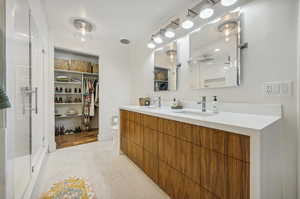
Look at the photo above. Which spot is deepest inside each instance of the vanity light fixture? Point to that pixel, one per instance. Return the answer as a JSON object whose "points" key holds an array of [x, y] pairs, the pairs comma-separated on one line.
{"points": [[227, 3], [188, 23], [157, 39]]}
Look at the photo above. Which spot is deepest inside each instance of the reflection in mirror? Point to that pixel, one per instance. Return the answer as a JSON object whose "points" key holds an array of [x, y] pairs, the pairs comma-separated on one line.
{"points": [[165, 68], [215, 53]]}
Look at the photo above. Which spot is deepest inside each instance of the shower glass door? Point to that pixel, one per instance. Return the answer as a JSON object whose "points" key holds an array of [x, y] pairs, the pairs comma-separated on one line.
{"points": [[23, 99]]}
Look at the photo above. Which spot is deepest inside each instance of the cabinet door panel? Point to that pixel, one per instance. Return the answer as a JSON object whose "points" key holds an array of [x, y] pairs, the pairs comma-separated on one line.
{"points": [[139, 156], [124, 114], [170, 181], [184, 152], [239, 147], [160, 125], [196, 164], [150, 165], [131, 130], [196, 135], [189, 190], [131, 116], [213, 173], [138, 134], [137, 118], [238, 179], [207, 195], [167, 149], [213, 139], [170, 127], [184, 131], [150, 140], [124, 145], [150, 122]]}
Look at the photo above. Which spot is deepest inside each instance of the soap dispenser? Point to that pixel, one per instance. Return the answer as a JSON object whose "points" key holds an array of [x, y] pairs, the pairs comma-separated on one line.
{"points": [[215, 105]]}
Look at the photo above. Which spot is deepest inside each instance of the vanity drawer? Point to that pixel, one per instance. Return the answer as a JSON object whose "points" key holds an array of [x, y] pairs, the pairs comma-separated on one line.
{"points": [[150, 141], [150, 122], [184, 131], [169, 127], [238, 147], [150, 165]]}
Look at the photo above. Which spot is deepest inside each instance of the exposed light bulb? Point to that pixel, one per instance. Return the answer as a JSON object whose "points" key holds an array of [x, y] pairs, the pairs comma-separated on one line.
{"points": [[169, 33], [228, 2], [187, 24], [83, 31], [151, 45], [82, 39], [227, 39], [206, 13], [217, 49], [158, 39], [227, 32]]}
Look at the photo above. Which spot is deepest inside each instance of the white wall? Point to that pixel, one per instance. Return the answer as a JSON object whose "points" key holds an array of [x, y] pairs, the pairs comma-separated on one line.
{"points": [[270, 27], [114, 74]]}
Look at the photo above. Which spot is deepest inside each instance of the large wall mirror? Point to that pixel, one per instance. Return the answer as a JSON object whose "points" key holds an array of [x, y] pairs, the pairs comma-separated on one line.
{"points": [[215, 53], [165, 68]]}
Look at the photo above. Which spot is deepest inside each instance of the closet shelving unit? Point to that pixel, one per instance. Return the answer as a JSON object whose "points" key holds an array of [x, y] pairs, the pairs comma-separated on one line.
{"points": [[67, 121]]}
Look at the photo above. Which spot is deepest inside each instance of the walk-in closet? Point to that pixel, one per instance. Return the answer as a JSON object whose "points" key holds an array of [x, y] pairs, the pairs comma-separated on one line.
{"points": [[76, 98]]}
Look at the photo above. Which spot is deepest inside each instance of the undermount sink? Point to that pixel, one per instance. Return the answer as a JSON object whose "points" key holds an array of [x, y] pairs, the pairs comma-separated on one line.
{"points": [[196, 112]]}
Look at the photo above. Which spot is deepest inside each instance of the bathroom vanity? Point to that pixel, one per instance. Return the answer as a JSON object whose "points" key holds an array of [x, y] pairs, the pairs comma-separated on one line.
{"points": [[192, 156]]}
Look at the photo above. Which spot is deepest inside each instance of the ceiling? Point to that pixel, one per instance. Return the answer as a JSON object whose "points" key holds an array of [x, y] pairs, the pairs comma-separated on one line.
{"points": [[132, 19]]}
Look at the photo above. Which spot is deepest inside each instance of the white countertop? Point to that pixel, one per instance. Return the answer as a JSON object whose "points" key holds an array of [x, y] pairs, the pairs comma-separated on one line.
{"points": [[240, 123]]}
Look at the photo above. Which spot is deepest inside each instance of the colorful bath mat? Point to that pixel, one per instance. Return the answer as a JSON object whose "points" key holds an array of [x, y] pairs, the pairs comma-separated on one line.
{"points": [[71, 188]]}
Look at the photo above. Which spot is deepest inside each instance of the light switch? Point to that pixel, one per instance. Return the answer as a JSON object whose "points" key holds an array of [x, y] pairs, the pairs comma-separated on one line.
{"points": [[286, 88], [282, 88]]}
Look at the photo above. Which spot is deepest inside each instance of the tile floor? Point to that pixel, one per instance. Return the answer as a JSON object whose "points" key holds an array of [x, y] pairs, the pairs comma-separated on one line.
{"points": [[111, 176]]}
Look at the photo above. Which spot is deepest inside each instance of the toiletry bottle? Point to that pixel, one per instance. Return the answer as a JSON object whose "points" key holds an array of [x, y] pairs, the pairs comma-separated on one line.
{"points": [[174, 103], [215, 107]]}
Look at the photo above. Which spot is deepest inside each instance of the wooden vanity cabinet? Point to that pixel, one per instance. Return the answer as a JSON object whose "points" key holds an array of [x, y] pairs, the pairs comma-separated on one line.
{"points": [[187, 161]]}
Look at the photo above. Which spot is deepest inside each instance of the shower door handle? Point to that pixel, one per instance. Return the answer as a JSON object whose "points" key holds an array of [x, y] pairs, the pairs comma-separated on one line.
{"points": [[28, 91], [36, 100]]}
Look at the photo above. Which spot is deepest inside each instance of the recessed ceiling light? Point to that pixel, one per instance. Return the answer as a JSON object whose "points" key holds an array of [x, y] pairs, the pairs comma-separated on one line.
{"points": [[187, 24], [169, 33], [206, 13], [157, 39], [228, 2], [151, 45], [125, 41]]}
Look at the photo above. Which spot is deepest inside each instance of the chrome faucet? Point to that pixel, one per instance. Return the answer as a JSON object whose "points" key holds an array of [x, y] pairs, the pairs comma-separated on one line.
{"points": [[203, 103], [158, 101]]}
